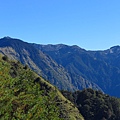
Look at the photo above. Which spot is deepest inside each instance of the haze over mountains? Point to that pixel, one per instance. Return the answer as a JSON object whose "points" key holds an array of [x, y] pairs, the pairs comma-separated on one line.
{"points": [[69, 67]]}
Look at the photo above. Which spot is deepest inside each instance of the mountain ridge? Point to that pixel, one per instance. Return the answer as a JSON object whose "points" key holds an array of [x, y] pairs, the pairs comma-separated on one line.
{"points": [[71, 67], [35, 59], [102, 64]]}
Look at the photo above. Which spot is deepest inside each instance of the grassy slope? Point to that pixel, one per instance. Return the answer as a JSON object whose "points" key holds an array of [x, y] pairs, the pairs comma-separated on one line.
{"points": [[24, 98]]}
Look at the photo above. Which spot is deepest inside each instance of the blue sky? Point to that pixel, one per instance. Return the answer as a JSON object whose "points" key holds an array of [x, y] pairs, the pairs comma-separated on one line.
{"points": [[90, 24]]}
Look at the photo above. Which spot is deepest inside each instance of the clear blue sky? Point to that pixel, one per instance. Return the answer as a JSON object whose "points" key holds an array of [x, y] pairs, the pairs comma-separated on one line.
{"points": [[90, 24]]}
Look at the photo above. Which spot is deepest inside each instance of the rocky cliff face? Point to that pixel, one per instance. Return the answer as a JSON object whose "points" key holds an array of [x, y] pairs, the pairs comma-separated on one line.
{"points": [[37, 60], [96, 67]]}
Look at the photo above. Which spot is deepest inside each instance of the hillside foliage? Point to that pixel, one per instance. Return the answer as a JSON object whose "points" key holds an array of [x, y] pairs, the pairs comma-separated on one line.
{"points": [[94, 105], [26, 96], [21, 98]]}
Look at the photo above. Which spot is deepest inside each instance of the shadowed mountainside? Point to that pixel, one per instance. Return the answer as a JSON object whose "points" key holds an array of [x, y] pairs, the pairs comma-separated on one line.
{"points": [[98, 67], [38, 61], [69, 67], [43, 64]]}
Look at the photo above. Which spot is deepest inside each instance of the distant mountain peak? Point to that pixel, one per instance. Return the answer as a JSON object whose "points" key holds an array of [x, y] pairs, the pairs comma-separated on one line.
{"points": [[7, 37], [114, 49]]}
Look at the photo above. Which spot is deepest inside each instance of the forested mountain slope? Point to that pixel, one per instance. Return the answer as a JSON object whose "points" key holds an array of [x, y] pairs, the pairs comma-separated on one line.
{"points": [[94, 105]]}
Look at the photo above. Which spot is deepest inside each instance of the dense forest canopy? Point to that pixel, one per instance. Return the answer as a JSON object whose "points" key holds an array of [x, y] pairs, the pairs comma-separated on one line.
{"points": [[94, 105]]}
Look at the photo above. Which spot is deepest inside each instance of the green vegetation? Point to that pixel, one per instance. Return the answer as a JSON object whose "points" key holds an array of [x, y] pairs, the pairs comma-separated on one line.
{"points": [[21, 98], [26, 96], [94, 105]]}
